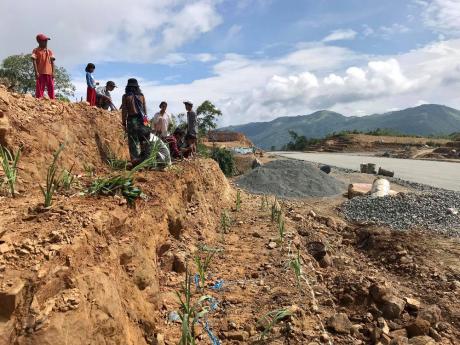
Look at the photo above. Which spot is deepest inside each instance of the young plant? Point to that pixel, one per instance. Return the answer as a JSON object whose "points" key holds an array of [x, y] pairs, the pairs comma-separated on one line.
{"points": [[117, 164], [281, 227], [89, 170], [269, 320], [203, 265], [51, 179], [263, 203], [10, 167], [238, 201], [190, 313], [276, 211], [224, 223], [67, 179], [296, 265]]}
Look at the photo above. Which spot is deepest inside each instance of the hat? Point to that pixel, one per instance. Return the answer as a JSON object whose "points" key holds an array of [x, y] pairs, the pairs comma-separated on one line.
{"points": [[188, 102], [111, 83], [42, 37], [132, 82]]}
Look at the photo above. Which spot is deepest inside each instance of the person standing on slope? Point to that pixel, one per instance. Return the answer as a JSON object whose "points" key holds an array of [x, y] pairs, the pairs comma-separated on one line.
{"points": [[133, 115], [43, 61], [91, 83], [192, 127], [161, 121]]}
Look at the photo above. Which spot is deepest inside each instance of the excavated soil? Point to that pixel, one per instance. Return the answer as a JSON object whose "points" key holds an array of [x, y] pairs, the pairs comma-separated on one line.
{"points": [[95, 271]]}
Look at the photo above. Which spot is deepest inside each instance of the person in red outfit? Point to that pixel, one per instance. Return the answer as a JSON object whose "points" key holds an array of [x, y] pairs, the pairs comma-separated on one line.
{"points": [[91, 83], [173, 143], [43, 60]]}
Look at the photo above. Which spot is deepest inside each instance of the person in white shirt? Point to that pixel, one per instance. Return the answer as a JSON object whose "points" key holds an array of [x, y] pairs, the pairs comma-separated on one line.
{"points": [[161, 121]]}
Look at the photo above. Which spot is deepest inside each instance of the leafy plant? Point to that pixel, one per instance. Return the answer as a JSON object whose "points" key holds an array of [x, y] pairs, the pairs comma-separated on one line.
{"points": [[89, 169], [190, 313], [203, 265], [66, 180], [238, 201], [10, 167], [117, 164], [269, 320], [51, 180], [296, 265]]}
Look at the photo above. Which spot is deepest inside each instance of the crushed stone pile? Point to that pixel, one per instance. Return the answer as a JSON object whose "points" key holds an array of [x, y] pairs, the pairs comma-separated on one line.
{"points": [[290, 179], [431, 210]]}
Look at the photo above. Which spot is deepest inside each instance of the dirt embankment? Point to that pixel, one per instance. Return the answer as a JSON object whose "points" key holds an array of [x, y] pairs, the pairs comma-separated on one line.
{"points": [[87, 271]]}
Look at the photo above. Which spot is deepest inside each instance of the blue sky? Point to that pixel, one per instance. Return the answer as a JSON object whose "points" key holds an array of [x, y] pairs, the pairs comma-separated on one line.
{"points": [[255, 59]]}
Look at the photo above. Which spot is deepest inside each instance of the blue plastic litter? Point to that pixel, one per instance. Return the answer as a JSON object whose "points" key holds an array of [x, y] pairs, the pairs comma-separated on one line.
{"points": [[196, 278], [218, 285], [174, 316], [214, 304], [214, 339]]}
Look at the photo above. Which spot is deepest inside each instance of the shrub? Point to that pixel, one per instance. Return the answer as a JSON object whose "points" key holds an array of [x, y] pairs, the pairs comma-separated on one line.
{"points": [[225, 159]]}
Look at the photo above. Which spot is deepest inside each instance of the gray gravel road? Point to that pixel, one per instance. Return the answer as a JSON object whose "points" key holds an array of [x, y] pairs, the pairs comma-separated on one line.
{"points": [[438, 174]]}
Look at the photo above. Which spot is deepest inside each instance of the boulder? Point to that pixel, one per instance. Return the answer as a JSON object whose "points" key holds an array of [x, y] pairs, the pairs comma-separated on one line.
{"points": [[431, 313], [422, 340]]}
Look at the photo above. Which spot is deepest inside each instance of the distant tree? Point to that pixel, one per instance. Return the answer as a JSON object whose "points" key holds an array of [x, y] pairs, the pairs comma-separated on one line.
{"points": [[17, 73], [207, 117]]}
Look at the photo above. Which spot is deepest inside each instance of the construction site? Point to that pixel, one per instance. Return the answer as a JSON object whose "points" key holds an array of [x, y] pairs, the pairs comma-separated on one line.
{"points": [[285, 253]]}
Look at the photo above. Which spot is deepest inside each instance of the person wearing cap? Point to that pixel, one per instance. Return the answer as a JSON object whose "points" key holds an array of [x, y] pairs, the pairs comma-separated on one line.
{"points": [[161, 121], [43, 61], [103, 96], [192, 126], [133, 116]]}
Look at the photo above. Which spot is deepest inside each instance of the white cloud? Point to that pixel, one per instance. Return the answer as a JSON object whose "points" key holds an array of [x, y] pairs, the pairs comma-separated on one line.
{"points": [[340, 35], [106, 30], [442, 15]]}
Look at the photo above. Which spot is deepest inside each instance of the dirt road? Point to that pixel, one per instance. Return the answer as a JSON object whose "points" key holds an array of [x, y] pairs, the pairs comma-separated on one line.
{"points": [[438, 174]]}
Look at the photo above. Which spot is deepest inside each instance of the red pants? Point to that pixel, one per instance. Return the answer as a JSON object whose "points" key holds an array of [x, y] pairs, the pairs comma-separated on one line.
{"points": [[91, 96], [44, 80]]}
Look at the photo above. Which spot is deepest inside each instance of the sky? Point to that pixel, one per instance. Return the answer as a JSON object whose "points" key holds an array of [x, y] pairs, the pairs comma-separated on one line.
{"points": [[254, 59]]}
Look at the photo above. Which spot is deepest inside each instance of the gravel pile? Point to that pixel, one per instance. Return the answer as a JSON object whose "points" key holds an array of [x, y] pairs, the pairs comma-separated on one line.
{"points": [[290, 179], [429, 210]]}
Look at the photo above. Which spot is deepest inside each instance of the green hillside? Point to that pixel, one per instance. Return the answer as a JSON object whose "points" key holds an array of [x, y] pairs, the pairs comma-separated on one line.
{"points": [[429, 119]]}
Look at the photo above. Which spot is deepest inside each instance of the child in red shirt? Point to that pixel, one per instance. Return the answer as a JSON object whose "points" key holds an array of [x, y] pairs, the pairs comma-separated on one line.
{"points": [[43, 60]]}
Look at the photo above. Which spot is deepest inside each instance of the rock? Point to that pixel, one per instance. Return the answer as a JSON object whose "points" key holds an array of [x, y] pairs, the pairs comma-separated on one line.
{"points": [[179, 264], [383, 325], [423, 340], [256, 163], [378, 291], [355, 330], [412, 303], [340, 323], [358, 189], [272, 245], [399, 333], [431, 313], [347, 299], [10, 296], [325, 262], [385, 340], [400, 341], [236, 335], [312, 213], [324, 338], [297, 217], [434, 334], [392, 306], [418, 327], [452, 210]]}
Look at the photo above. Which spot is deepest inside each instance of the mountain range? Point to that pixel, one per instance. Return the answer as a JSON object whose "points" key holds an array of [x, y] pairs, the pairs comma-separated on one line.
{"points": [[427, 119]]}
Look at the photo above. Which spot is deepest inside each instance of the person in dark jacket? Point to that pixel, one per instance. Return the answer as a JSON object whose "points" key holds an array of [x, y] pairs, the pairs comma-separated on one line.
{"points": [[133, 115]]}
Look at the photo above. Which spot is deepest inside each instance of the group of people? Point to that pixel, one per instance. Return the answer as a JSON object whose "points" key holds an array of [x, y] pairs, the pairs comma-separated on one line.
{"points": [[141, 133]]}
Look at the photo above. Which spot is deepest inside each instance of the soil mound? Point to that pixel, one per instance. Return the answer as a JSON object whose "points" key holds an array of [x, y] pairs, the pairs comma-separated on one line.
{"points": [[40, 126], [290, 179]]}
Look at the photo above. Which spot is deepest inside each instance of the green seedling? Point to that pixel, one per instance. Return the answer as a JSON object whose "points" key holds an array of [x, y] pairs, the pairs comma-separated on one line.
{"points": [[276, 211], [67, 179], [190, 312], [269, 320], [10, 167], [51, 179], [203, 265], [117, 164], [296, 265], [224, 223], [89, 170], [238, 201]]}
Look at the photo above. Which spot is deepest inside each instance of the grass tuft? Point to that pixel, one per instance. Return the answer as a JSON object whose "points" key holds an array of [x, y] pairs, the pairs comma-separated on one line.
{"points": [[10, 167], [269, 320], [51, 179]]}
